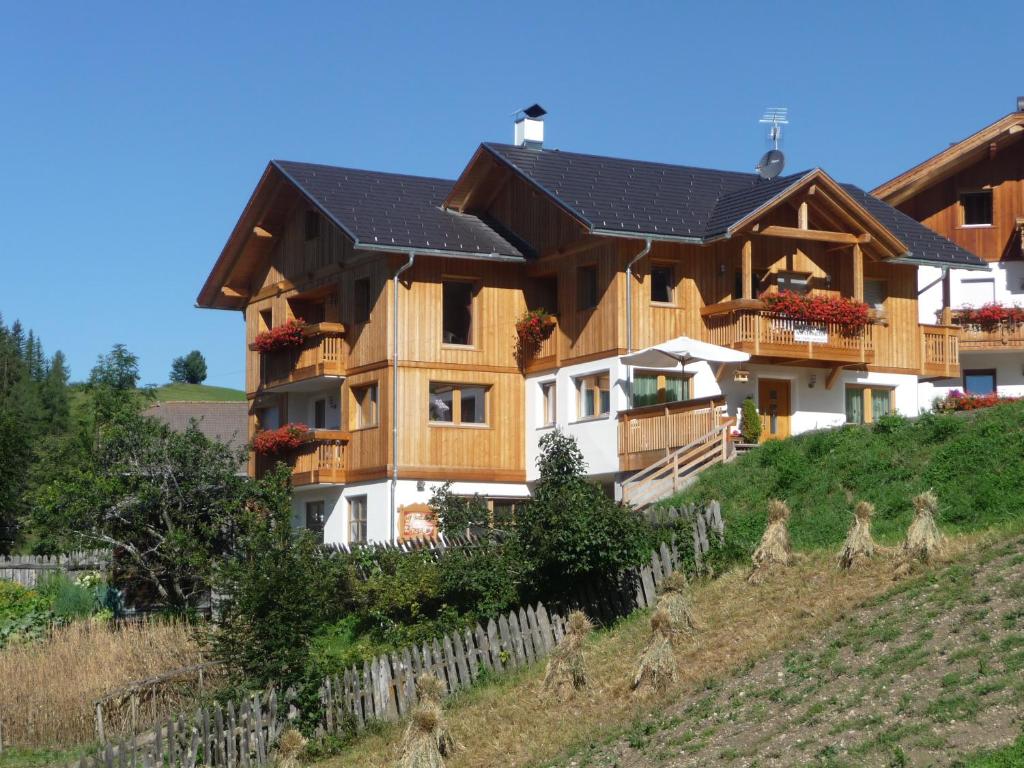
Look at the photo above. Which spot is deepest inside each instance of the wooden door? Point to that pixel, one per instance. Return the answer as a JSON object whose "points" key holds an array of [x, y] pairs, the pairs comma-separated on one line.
{"points": [[773, 403]]}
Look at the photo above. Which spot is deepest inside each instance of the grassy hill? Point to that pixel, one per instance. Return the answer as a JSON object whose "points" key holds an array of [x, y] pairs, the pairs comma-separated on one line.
{"points": [[973, 461], [197, 392]]}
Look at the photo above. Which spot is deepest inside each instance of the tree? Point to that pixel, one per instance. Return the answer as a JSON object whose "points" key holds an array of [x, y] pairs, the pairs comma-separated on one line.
{"points": [[164, 501], [570, 532], [189, 369], [113, 381]]}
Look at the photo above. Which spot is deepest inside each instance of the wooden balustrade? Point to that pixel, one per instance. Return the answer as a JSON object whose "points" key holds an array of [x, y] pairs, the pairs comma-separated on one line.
{"points": [[647, 433], [322, 353], [940, 351], [975, 338], [320, 458], [739, 325]]}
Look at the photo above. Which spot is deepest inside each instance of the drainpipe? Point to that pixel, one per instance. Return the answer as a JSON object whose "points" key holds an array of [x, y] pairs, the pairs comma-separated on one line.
{"points": [[394, 391], [629, 313]]}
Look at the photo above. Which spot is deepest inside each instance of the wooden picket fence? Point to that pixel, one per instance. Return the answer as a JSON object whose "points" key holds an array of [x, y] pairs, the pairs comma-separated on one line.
{"points": [[703, 520], [27, 569]]}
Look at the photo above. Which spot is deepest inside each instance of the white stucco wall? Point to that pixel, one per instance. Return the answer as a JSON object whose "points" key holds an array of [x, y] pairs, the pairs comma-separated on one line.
{"points": [[964, 288], [301, 407]]}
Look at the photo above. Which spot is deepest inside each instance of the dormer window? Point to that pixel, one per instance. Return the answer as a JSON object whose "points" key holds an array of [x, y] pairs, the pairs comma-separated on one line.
{"points": [[976, 208], [312, 225]]}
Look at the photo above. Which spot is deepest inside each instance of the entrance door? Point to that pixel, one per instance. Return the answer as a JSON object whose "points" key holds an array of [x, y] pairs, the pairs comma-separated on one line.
{"points": [[774, 406]]}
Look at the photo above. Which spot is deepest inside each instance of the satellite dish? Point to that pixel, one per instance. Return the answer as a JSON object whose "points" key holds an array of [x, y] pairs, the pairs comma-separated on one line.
{"points": [[771, 163]]}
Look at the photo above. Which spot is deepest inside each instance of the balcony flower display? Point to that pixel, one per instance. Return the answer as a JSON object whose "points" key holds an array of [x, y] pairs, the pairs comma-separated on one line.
{"points": [[988, 316], [281, 337], [274, 442], [532, 330], [850, 314], [963, 401]]}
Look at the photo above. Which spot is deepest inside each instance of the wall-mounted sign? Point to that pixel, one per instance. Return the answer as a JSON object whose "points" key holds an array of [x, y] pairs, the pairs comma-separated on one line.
{"points": [[741, 376], [416, 521], [810, 333]]}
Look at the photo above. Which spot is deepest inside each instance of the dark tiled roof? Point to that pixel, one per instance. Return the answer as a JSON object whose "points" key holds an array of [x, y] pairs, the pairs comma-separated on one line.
{"points": [[923, 244], [225, 422], [393, 210], [660, 200]]}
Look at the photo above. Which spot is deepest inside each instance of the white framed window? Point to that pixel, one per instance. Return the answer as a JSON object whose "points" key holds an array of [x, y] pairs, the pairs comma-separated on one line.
{"points": [[315, 518], [457, 300], [548, 404], [357, 519], [797, 282], [593, 396], [976, 208]]}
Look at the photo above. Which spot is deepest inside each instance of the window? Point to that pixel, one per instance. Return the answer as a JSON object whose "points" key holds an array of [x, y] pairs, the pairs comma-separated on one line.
{"points": [[586, 287], [792, 281], [755, 284], [364, 406], [976, 208], [549, 412], [593, 396], [315, 518], [875, 294], [503, 512], [457, 312], [320, 414], [652, 388], [663, 284], [266, 320], [980, 382], [865, 405], [357, 520], [458, 403], [312, 225], [361, 299]]}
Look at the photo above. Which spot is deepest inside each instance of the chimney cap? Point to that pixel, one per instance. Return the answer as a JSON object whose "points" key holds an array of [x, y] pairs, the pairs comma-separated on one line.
{"points": [[534, 112]]}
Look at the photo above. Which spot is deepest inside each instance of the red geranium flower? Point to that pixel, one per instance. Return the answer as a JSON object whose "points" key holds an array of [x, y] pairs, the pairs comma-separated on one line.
{"points": [[286, 336]]}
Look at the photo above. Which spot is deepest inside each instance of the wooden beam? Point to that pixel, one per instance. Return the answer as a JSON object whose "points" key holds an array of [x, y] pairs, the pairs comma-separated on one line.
{"points": [[819, 235], [747, 286], [261, 232], [231, 293], [858, 273], [801, 216], [832, 376]]}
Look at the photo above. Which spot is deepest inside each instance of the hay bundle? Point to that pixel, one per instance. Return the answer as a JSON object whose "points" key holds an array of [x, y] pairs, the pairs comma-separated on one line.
{"points": [[427, 740], [657, 666], [859, 545], [289, 746], [566, 669], [675, 599], [924, 541], [774, 551]]}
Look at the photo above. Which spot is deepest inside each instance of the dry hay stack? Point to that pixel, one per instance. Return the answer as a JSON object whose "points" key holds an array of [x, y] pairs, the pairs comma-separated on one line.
{"points": [[675, 599], [566, 669], [859, 545], [427, 740], [774, 551], [924, 541], [657, 666], [289, 746]]}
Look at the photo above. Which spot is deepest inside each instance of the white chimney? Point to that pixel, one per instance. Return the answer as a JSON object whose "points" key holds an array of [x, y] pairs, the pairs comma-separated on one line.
{"points": [[529, 131]]}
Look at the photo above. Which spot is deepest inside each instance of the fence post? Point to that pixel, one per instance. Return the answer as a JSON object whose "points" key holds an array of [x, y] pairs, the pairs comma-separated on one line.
{"points": [[99, 722]]}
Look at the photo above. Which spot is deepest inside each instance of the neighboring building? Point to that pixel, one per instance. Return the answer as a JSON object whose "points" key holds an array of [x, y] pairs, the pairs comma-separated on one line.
{"points": [[973, 193], [411, 288], [224, 422]]}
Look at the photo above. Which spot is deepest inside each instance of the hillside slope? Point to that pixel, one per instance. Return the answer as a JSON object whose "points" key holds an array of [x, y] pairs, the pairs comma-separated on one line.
{"points": [[169, 393], [973, 461]]}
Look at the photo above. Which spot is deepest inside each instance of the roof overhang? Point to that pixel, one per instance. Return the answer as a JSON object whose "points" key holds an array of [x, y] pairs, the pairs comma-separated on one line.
{"points": [[991, 138]]}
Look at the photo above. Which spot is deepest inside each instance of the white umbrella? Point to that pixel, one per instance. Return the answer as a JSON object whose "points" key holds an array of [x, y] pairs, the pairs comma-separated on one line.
{"points": [[683, 350]]}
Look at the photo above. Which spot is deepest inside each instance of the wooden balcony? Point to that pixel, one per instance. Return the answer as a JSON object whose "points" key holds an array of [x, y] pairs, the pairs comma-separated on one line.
{"points": [[650, 433], [320, 459], [940, 351], [322, 354], [745, 325], [975, 338], [546, 356]]}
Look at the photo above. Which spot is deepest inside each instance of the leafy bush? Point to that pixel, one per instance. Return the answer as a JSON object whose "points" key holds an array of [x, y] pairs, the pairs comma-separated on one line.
{"points": [[457, 514], [750, 421], [25, 614]]}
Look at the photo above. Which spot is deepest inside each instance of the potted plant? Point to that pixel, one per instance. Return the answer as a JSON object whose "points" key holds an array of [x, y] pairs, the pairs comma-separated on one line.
{"points": [[851, 315], [750, 422], [289, 335], [532, 330], [274, 442]]}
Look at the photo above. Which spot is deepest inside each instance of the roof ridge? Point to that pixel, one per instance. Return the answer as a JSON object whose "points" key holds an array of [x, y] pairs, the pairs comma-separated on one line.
{"points": [[369, 171]]}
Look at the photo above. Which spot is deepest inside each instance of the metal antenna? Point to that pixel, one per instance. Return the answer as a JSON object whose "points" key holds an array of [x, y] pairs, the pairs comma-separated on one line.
{"points": [[776, 117]]}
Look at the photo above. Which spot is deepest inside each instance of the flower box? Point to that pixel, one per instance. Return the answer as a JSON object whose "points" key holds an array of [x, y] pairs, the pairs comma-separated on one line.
{"points": [[988, 316], [532, 330], [287, 336], [851, 315], [962, 401], [274, 442]]}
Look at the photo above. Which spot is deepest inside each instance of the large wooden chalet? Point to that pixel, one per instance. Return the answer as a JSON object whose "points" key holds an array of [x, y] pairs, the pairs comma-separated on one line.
{"points": [[972, 193], [409, 373]]}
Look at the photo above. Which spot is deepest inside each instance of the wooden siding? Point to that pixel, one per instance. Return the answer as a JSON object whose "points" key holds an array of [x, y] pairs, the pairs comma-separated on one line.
{"points": [[938, 206]]}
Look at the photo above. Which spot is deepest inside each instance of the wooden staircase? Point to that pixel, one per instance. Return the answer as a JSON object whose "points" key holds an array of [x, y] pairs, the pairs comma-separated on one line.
{"points": [[679, 468]]}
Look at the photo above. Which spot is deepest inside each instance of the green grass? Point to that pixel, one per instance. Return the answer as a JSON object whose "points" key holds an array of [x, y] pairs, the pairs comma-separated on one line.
{"points": [[15, 757], [1011, 756], [199, 392], [973, 461]]}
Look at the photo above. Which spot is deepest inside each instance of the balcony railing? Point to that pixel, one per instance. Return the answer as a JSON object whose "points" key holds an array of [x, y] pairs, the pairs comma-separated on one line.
{"points": [[746, 326], [320, 459], [650, 432], [974, 338], [322, 354], [940, 351]]}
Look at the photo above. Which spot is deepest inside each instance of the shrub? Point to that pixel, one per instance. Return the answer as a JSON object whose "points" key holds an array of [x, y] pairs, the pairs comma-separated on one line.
{"points": [[750, 421], [457, 514], [25, 614]]}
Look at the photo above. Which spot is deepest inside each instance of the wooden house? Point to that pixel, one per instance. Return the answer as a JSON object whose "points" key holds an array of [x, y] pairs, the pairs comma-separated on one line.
{"points": [[972, 193], [409, 371]]}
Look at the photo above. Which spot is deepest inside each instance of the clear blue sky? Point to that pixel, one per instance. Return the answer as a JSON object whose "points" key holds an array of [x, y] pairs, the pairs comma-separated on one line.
{"points": [[133, 134]]}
